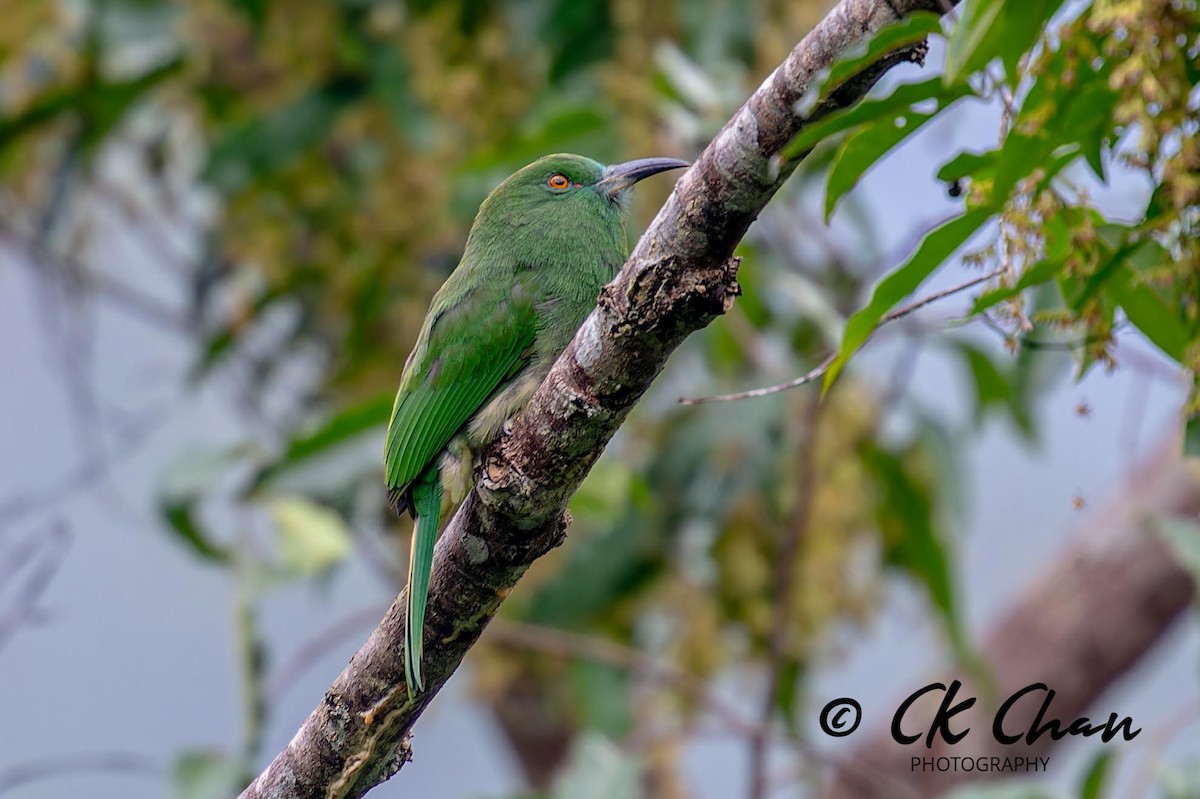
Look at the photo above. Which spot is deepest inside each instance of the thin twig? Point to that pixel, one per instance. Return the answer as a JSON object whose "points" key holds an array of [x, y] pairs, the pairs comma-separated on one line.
{"points": [[566, 644], [156, 237], [1072, 344], [319, 645], [903, 369], [820, 370], [130, 438], [784, 585], [577, 646], [55, 545], [124, 295], [19, 774]]}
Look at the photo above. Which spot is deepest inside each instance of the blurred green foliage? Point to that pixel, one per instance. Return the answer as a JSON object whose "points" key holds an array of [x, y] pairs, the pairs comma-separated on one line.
{"points": [[1114, 86]]}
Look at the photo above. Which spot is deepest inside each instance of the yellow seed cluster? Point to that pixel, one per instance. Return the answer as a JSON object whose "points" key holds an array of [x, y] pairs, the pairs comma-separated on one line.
{"points": [[1150, 44]]}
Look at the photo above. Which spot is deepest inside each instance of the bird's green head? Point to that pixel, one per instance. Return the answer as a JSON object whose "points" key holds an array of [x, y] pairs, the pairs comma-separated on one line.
{"points": [[565, 189]]}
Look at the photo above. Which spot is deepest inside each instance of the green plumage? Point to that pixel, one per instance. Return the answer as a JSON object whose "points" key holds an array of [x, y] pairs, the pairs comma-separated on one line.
{"points": [[542, 245]]}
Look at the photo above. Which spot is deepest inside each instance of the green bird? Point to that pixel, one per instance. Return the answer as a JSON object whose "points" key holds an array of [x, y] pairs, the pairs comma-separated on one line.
{"points": [[542, 245]]}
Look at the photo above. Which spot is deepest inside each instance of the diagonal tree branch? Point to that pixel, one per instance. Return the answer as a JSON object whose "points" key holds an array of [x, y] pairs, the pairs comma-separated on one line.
{"points": [[820, 369], [681, 275]]}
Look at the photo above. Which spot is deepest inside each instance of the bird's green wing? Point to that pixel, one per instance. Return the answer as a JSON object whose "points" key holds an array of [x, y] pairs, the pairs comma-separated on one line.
{"points": [[464, 353], [474, 340]]}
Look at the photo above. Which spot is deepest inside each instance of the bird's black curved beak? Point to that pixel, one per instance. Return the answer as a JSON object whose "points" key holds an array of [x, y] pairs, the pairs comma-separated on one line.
{"points": [[618, 177]]}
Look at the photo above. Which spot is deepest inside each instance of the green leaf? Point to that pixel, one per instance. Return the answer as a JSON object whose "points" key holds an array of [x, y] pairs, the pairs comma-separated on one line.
{"points": [[312, 538], [101, 104], [791, 676], [43, 110], [1077, 293], [1061, 243], [995, 388], [1150, 314], [1059, 160], [1021, 23], [1115, 235], [105, 104], [1059, 230], [1068, 118], [966, 165], [1079, 123], [991, 387], [908, 31], [974, 40], [873, 141], [938, 245], [868, 111], [1098, 280], [252, 662], [1097, 775], [943, 444], [219, 344], [344, 425], [181, 518], [184, 485], [905, 514], [1089, 121], [1147, 256], [1019, 156]]}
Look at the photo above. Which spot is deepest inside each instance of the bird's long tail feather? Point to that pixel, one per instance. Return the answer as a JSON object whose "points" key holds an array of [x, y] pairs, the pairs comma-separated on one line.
{"points": [[427, 503]]}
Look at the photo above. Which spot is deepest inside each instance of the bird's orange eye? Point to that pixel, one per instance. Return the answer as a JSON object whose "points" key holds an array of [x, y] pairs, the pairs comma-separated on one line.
{"points": [[558, 182]]}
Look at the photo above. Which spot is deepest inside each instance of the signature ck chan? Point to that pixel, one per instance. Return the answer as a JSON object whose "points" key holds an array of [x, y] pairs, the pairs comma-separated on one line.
{"points": [[908, 727]]}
